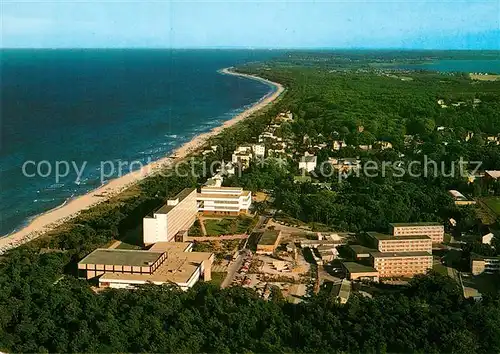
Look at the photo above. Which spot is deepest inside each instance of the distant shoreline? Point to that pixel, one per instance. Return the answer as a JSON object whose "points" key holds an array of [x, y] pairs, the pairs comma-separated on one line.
{"points": [[55, 217]]}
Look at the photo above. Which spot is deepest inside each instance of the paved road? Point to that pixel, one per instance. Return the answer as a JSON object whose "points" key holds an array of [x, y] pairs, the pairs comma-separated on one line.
{"points": [[236, 265], [231, 271]]}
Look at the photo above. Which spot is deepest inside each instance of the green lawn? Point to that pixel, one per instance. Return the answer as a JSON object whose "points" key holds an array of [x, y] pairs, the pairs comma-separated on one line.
{"points": [[493, 203], [439, 268], [128, 246], [227, 226], [218, 277]]}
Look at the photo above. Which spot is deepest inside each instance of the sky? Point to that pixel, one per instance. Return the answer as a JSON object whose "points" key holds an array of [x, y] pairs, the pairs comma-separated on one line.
{"points": [[406, 24]]}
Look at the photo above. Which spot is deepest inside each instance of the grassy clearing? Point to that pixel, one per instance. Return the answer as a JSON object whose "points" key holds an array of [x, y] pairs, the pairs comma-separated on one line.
{"points": [[218, 278], [493, 203], [439, 268], [227, 226], [485, 77]]}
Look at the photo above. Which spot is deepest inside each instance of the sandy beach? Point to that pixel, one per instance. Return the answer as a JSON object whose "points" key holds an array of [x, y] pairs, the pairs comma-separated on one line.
{"points": [[55, 217]]}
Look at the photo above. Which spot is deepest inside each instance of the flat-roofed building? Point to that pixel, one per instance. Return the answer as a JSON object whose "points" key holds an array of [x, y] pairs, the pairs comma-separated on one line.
{"points": [[224, 200], [171, 247], [357, 271], [484, 264], [166, 262], [104, 260], [179, 213], [389, 243], [459, 198], [183, 269], [434, 230], [268, 242], [401, 264], [360, 252]]}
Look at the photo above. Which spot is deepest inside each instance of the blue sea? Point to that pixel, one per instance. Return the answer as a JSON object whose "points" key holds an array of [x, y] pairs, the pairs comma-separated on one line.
{"points": [[105, 105]]}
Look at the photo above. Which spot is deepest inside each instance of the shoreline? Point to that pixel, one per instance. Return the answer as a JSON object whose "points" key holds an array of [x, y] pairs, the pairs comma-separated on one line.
{"points": [[53, 218]]}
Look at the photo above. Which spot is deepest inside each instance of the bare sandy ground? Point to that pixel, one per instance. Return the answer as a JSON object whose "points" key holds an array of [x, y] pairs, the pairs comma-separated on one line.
{"points": [[55, 217]]}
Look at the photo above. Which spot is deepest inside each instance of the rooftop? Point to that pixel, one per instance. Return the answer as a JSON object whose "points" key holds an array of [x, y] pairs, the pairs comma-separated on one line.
{"points": [[269, 237], [308, 159], [478, 257], [385, 237], [457, 195], [430, 223], [493, 174], [177, 268], [358, 249], [138, 258], [181, 196], [399, 254], [171, 247], [220, 188], [354, 267], [215, 195]]}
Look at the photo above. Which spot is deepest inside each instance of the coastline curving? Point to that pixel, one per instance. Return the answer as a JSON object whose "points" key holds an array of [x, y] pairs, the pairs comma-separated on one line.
{"points": [[53, 218]]}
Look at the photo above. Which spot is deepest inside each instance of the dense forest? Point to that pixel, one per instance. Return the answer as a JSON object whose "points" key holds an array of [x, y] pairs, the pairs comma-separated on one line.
{"points": [[366, 106], [42, 312], [45, 308]]}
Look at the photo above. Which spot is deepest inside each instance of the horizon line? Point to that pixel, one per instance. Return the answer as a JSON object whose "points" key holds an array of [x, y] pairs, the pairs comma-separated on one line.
{"points": [[251, 48]]}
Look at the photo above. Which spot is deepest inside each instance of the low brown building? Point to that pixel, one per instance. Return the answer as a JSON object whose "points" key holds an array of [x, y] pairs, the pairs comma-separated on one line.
{"points": [[268, 242], [357, 271], [164, 262]]}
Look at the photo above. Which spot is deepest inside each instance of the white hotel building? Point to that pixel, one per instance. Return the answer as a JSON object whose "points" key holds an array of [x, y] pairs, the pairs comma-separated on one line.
{"points": [[179, 213], [176, 215], [224, 200]]}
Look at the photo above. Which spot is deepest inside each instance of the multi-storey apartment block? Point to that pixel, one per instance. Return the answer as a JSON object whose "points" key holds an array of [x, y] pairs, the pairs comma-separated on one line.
{"points": [[388, 243], [432, 229], [402, 264]]}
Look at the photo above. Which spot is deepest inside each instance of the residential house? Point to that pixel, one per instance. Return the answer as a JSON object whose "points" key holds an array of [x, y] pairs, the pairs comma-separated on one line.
{"points": [[308, 162]]}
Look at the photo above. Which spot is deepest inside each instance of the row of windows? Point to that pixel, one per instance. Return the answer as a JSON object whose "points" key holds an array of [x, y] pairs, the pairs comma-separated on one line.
{"points": [[402, 261]]}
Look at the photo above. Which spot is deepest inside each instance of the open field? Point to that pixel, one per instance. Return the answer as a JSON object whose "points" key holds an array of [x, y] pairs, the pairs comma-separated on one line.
{"points": [[218, 277], [485, 77], [493, 203], [227, 226]]}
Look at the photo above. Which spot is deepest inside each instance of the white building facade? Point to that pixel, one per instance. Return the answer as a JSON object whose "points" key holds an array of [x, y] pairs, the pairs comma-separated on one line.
{"points": [[224, 200], [177, 214]]}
